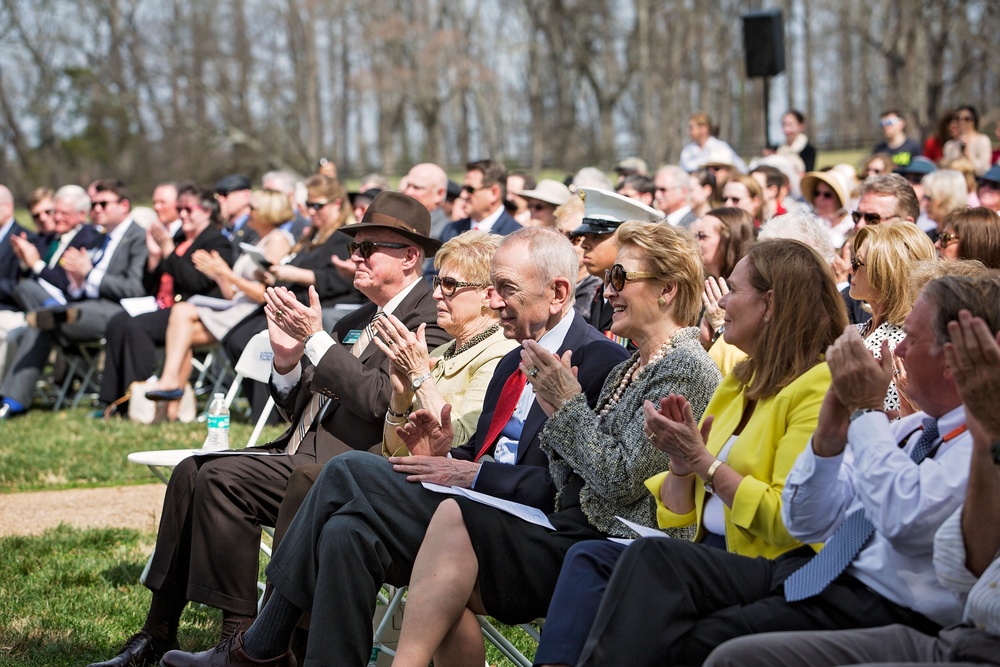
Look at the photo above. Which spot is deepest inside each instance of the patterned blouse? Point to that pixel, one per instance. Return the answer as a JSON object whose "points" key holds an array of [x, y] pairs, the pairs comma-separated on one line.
{"points": [[611, 453], [873, 342]]}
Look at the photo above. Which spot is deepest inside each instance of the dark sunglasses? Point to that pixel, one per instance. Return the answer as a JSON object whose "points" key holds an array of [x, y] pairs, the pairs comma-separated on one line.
{"points": [[317, 205], [450, 285], [470, 190], [38, 214], [856, 263], [617, 275], [824, 194], [188, 209], [870, 218], [947, 238], [103, 204], [367, 248]]}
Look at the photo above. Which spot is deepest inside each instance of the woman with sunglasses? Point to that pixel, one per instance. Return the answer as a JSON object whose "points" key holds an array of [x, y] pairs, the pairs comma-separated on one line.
{"points": [[193, 325], [456, 373], [970, 142], [171, 277], [726, 477], [827, 192], [971, 233], [744, 192], [477, 559], [881, 264]]}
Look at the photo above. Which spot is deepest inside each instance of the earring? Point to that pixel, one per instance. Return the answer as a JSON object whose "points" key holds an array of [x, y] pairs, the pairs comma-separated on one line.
{"points": [[661, 301]]}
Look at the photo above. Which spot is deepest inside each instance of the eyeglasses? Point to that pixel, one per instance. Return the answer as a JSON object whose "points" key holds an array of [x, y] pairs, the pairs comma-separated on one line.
{"points": [[617, 275], [856, 264], [947, 238], [367, 248], [870, 218], [188, 210], [37, 215], [450, 285], [824, 194], [317, 205], [966, 119], [103, 204]]}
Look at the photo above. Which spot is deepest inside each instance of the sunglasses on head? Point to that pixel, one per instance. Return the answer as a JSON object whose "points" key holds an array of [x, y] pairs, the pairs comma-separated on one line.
{"points": [[367, 248], [616, 276], [856, 263], [451, 285], [870, 218]]}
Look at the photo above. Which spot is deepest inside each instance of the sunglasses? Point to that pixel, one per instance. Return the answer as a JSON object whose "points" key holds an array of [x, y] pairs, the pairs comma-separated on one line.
{"points": [[103, 204], [616, 276], [967, 119], [824, 194], [870, 218], [317, 205], [188, 210], [450, 285], [37, 215], [367, 248], [888, 122], [471, 190], [947, 238], [732, 200], [856, 264]]}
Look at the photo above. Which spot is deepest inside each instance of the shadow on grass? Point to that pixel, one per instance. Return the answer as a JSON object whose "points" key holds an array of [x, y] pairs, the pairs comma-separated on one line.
{"points": [[123, 574]]}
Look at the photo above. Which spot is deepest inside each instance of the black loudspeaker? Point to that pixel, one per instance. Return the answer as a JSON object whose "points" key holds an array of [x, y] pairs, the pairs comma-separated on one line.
{"points": [[764, 43]]}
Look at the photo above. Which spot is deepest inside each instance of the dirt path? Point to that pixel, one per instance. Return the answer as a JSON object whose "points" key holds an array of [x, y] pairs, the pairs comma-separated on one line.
{"points": [[120, 507]]}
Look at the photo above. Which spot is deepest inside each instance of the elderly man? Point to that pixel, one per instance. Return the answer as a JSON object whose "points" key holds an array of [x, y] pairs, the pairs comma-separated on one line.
{"points": [[872, 489], [206, 549], [428, 184], [363, 521], [165, 205], [672, 195], [484, 189]]}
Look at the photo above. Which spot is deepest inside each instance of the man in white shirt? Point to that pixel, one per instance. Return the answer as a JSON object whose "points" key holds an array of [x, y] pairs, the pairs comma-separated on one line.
{"points": [[966, 549], [904, 477], [703, 146], [672, 195]]}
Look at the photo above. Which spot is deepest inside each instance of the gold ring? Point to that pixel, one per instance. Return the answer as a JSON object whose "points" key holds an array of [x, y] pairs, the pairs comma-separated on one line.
{"points": [[278, 315]]}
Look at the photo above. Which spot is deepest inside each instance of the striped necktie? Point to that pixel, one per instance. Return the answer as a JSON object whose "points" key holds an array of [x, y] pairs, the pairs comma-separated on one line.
{"points": [[849, 539]]}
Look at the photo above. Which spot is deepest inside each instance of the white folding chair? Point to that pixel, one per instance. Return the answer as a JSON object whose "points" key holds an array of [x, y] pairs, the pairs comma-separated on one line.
{"points": [[254, 363]]}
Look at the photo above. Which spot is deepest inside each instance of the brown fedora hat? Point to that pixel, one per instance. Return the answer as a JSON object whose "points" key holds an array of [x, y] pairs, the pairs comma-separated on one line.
{"points": [[400, 214]]}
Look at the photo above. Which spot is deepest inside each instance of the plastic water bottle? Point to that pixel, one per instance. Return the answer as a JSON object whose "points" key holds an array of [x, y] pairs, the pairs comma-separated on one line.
{"points": [[218, 424], [373, 658]]}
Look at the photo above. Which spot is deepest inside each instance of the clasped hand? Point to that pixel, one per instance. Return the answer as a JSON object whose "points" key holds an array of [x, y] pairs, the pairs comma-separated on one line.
{"points": [[551, 376]]}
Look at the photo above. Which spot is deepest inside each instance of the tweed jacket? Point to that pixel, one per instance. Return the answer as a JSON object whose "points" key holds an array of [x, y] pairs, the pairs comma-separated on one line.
{"points": [[772, 439], [611, 454]]}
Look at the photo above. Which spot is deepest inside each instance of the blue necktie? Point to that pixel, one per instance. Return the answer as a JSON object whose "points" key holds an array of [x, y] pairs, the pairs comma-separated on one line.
{"points": [[847, 542]]}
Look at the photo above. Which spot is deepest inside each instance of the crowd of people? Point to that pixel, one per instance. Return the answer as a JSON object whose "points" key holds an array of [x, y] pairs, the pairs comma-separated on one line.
{"points": [[788, 375]]}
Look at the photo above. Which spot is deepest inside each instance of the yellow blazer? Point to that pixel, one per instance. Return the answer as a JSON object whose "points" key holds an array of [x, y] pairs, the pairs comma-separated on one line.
{"points": [[772, 439]]}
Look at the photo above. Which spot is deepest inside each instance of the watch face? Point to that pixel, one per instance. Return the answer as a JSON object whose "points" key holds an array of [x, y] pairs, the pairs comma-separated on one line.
{"points": [[995, 452]]}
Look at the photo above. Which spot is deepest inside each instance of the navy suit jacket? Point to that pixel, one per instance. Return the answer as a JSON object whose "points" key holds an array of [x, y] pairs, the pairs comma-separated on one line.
{"points": [[87, 237], [504, 225], [529, 481], [10, 267]]}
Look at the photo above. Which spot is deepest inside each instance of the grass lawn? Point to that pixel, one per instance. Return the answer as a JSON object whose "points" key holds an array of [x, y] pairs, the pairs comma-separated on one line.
{"points": [[69, 596]]}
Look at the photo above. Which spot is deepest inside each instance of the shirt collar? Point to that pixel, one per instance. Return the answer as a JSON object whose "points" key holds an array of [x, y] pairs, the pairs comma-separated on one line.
{"points": [[394, 302], [552, 340], [486, 224]]}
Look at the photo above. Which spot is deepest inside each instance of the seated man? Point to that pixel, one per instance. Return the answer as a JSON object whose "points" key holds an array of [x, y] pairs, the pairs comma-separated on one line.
{"points": [[362, 523], [873, 490], [966, 549], [207, 545], [11, 312]]}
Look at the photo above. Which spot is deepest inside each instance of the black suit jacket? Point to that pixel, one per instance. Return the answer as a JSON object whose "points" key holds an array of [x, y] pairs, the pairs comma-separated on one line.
{"points": [[504, 225], [87, 237], [188, 280], [529, 481], [10, 267], [359, 388]]}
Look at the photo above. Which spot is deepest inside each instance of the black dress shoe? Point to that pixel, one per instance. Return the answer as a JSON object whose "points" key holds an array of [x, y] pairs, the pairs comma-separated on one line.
{"points": [[228, 653], [141, 650]]}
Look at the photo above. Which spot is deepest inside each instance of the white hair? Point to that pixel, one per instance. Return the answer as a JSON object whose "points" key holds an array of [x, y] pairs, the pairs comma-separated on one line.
{"points": [[282, 181], [551, 253], [74, 194], [800, 225]]}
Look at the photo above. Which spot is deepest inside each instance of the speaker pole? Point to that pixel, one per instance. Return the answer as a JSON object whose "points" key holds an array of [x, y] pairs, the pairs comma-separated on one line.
{"points": [[767, 109]]}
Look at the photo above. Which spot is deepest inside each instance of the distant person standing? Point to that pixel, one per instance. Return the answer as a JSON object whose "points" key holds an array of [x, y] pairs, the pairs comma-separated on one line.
{"points": [[703, 145], [897, 144], [793, 124]]}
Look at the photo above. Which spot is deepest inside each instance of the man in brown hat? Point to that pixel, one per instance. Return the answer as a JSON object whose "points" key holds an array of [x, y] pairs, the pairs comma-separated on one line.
{"points": [[334, 390]]}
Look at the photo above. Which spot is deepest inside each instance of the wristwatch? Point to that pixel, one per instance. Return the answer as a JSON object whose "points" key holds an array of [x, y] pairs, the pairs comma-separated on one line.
{"points": [[860, 412], [419, 380]]}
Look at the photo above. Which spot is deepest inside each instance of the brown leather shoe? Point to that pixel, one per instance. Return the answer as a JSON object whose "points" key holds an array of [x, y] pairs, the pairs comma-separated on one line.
{"points": [[228, 653], [141, 650]]}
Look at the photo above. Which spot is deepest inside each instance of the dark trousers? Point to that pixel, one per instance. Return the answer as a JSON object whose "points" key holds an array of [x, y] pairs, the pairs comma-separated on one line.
{"points": [[672, 602], [131, 351], [360, 526], [208, 541]]}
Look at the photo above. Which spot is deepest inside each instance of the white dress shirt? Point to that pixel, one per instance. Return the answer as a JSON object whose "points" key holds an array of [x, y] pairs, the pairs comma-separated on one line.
{"points": [[92, 285], [906, 502], [486, 224], [980, 595], [693, 156]]}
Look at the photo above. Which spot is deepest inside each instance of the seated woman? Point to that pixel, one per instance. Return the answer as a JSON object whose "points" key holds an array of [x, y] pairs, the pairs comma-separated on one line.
{"points": [[880, 277], [456, 373], [744, 192], [476, 559], [783, 310], [191, 326], [972, 233], [724, 236], [172, 277]]}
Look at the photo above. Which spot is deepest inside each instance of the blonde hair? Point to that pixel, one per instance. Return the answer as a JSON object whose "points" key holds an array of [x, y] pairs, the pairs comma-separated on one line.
{"points": [[807, 315], [271, 207], [893, 247], [470, 253], [324, 187], [948, 187], [673, 256]]}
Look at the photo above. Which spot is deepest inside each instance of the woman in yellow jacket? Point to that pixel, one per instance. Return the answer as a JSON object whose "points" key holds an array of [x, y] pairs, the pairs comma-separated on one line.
{"points": [[783, 310]]}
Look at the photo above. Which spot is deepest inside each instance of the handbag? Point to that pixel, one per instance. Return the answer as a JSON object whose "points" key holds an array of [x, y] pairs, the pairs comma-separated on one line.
{"points": [[145, 411]]}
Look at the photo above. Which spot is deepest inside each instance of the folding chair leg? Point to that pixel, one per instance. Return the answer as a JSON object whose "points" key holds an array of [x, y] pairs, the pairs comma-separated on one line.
{"points": [[503, 645]]}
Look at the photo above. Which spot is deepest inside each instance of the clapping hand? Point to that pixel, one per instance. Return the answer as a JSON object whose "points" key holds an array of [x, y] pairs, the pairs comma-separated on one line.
{"points": [[424, 435], [551, 376], [973, 357], [672, 429]]}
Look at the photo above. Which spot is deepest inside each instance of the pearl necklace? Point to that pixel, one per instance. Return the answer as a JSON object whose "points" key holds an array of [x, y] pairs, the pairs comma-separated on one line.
{"points": [[627, 378]]}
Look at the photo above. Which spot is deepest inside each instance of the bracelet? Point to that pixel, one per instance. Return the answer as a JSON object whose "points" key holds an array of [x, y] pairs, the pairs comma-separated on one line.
{"points": [[398, 415], [392, 423], [710, 475], [306, 339]]}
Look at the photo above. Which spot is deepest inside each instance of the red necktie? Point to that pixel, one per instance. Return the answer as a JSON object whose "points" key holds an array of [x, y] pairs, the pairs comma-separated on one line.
{"points": [[509, 396]]}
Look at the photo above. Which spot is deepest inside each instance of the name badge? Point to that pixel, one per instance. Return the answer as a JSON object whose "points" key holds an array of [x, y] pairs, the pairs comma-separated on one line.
{"points": [[352, 337]]}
